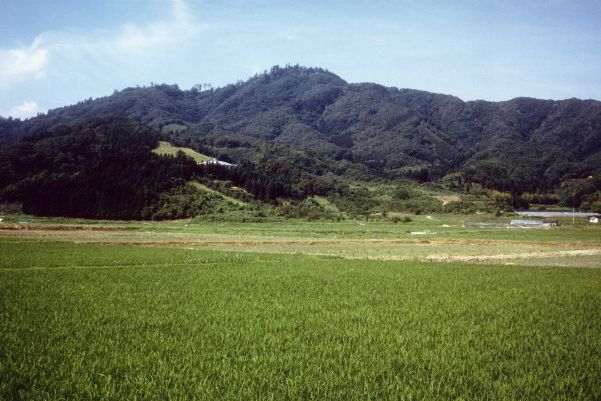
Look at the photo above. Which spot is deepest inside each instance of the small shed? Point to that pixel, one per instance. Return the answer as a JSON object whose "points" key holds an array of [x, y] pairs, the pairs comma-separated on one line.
{"points": [[551, 223]]}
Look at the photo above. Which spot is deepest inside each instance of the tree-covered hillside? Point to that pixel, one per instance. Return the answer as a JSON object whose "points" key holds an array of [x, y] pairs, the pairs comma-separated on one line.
{"points": [[521, 145], [102, 168]]}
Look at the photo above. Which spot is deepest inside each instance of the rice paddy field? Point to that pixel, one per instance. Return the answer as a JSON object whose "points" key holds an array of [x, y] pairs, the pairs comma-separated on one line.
{"points": [[298, 311]]}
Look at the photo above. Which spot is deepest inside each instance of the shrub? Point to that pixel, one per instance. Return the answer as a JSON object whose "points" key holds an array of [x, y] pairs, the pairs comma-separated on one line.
{"points": [[399, 219]]}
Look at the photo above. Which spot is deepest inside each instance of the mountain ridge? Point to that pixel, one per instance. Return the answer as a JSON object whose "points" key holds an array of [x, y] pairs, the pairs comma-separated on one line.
{"points": [[518, 145]]}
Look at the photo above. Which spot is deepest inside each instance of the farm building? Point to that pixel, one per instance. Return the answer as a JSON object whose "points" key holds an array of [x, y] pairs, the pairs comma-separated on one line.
{"points": [[215, 161], [551, 223]]}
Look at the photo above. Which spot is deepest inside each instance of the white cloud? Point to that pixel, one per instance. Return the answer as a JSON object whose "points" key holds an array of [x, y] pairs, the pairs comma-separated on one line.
{"points": [[27, 109], [68, 55], [17, 65]]}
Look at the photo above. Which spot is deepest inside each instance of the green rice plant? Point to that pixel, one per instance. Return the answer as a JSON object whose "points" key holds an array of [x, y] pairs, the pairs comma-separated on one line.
{"points": [[86, 321]]}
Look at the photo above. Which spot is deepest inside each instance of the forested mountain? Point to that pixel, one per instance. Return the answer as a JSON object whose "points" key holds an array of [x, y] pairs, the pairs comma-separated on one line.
{"points": [[103, 168], [366, 130]]}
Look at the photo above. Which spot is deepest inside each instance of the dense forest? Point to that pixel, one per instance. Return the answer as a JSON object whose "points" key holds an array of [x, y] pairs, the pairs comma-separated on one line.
{"points": [[295, 132], [103, 168]]}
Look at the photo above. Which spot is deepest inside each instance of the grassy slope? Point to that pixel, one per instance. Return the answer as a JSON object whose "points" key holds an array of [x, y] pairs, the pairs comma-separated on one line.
{"points": [[326, 204], [204, 188], [107, 322], [165, 148]]}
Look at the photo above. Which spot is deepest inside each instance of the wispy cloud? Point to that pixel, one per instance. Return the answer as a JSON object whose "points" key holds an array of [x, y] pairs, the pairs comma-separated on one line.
{"points": [[156, 36], [27, 109], [69, 55]]}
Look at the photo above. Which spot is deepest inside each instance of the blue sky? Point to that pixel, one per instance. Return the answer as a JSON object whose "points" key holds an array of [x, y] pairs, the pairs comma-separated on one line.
{"points": [[57, 52]]}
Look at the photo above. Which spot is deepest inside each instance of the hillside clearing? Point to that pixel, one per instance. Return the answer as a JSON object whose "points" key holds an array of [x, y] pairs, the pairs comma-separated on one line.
{"points": [[166, 148]]}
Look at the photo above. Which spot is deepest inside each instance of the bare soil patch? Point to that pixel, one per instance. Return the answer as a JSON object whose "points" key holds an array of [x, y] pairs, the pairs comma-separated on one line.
{"points": [[479, 258]]}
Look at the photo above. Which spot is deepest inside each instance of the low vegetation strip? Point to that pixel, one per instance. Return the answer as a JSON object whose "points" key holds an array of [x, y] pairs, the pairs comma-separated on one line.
{"points": [[164, 234], [408, 248], [220, 325]]}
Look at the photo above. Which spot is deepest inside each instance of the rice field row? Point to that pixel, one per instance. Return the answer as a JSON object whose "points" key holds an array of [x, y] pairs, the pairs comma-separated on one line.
{"points": [[105, 322]]}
